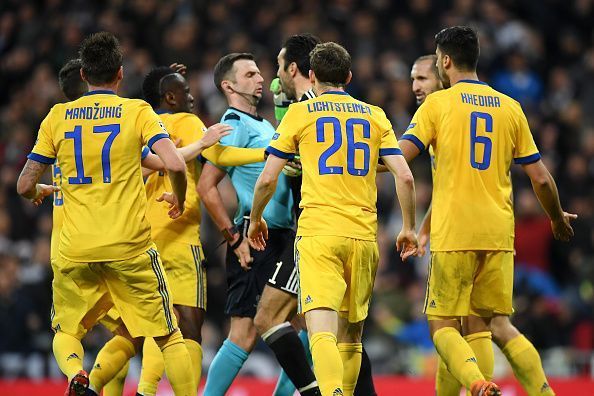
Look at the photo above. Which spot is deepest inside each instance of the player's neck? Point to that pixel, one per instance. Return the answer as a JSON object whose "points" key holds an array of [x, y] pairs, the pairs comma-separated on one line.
{"points": [[457, 75], [107, 87], [302, 85], [321, 88]]}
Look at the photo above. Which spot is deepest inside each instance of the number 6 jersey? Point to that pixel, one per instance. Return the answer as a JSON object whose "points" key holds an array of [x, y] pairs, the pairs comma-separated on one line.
{"points": [[98, 139], [476, 134], [340, 140]]}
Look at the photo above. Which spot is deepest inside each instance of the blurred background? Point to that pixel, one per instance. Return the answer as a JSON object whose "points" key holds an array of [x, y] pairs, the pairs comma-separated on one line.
{"points": [[540, 52]]}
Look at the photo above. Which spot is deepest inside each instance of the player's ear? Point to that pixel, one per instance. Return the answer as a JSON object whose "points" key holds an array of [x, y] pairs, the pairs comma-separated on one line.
{"points": [[312, 76], [120, 76], [82, 75], [170, 98], [349, 78], [447, 61], [293, 69]]}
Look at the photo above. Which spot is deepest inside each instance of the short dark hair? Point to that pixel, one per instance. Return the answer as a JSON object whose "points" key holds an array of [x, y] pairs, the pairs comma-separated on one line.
{"points": [[225, 65], [297, 49], [331, 63], [433, 59], [71, 83], [101, 58], [152, 85], [461, 43]]}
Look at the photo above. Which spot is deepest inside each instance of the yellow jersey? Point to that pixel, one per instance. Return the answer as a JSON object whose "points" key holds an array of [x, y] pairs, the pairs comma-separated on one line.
{"points": [[58, 211], [97, 140], [188, 128], [476, 134], [340, 140]]}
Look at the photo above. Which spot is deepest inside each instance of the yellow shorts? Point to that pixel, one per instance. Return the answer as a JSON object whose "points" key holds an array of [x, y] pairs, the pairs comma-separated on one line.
{"points": [[465, 283], [83, 293], [112, 320], [336, 273], [184, 266]]}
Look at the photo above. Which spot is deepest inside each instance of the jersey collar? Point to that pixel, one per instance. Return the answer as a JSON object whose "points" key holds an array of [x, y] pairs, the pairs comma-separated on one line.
{"points": [[100, 92], [163, 111], [472, 82], [335, 93], [255, 117]]}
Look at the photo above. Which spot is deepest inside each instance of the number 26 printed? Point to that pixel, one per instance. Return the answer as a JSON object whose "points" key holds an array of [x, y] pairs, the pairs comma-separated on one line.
{"points": [[352, 146]]}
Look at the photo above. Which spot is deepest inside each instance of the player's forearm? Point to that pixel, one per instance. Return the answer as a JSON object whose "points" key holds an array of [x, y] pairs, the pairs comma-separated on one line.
{"points": [[192, 150], [233, 156], [425, 227], [263, 192], [548, 196], [405, 189], [179, 183], [213, 202], [27, 182]]}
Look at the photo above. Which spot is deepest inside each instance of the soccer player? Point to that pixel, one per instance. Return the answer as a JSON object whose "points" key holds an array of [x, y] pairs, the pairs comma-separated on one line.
{"points": [[476, 133], [105, 258], [519, 351], [340, 140], [293, 74], [178, 241], [259, 287]]}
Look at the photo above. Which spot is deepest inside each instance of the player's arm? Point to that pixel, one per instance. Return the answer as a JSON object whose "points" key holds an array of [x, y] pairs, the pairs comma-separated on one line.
{"points": [[27, 185], [409, 149], [545, 189], [211, 197], [233, 156], [405, 190], [211, 137], [175, 166], [263, 192], [425, 231]]}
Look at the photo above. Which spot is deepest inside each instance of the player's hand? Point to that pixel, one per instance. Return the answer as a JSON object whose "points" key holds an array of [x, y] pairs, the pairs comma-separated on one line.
{"points": [[562, 230], [281, 102], [43, 190], [214, 133], [258, 234], [407, 244], [179, 68], [293, 168], [176, 209], [243, 254], [423, 238]]}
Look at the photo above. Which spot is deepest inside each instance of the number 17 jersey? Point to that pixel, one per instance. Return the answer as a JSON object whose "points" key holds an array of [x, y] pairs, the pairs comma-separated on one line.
{"points": [[339, 140], [97, 140], [476, 134]]}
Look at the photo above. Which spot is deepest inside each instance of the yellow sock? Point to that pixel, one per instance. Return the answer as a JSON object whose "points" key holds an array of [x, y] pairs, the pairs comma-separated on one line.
{"points": [[445, 383], [457, 355], [153, 367], [350, 354], [110, 360], [178, 364], [327, 362], [482, 346], [195, 351], [69, 353], [115, 387], [527, 366]]}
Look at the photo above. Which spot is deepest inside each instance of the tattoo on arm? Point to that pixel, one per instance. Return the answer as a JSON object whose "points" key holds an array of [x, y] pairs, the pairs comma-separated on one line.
{"points": [[29, 177]]}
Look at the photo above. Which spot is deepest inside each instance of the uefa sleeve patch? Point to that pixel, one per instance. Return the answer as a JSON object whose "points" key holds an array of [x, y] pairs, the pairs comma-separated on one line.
{"points": [[411, 126], [275, 136]]}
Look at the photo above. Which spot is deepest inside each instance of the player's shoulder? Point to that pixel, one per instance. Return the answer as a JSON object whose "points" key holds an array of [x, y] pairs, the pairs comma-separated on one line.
{"points": [[133, 103], [506, 100]]}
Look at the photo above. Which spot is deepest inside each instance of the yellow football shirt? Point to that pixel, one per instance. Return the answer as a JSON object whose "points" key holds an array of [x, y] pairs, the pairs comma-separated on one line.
{"points": [[58, 211], [340, 140], [97, 140], [476, 134]]}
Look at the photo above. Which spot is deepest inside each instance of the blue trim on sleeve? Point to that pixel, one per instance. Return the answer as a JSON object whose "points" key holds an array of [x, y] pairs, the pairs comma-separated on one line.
{"points": [[335, 93], [155, 138], [145, 152], [528, 159], [100, 91], [417, 142], [278, 153], [390, 151], [41, 158]]}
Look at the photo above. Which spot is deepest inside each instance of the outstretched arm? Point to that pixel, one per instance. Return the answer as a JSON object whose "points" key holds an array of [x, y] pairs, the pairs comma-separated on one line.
{"points": [[545, 189], [263, 192]]}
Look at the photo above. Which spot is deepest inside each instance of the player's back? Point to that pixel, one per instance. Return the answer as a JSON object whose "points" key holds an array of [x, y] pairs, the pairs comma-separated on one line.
{"points": [[97, 141], [187, 128], [339, 140], [476, 133]]}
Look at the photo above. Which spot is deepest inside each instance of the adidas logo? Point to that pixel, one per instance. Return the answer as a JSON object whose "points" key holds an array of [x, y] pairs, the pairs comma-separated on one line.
{"points": [[472, 359], [97, 366], [337, 392], [308, 300], [432, 304], [73, 356], [544, 387]]}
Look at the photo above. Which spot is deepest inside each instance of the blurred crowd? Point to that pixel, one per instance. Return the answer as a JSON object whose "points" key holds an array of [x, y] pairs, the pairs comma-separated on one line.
{"points": [[540, 52]]}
